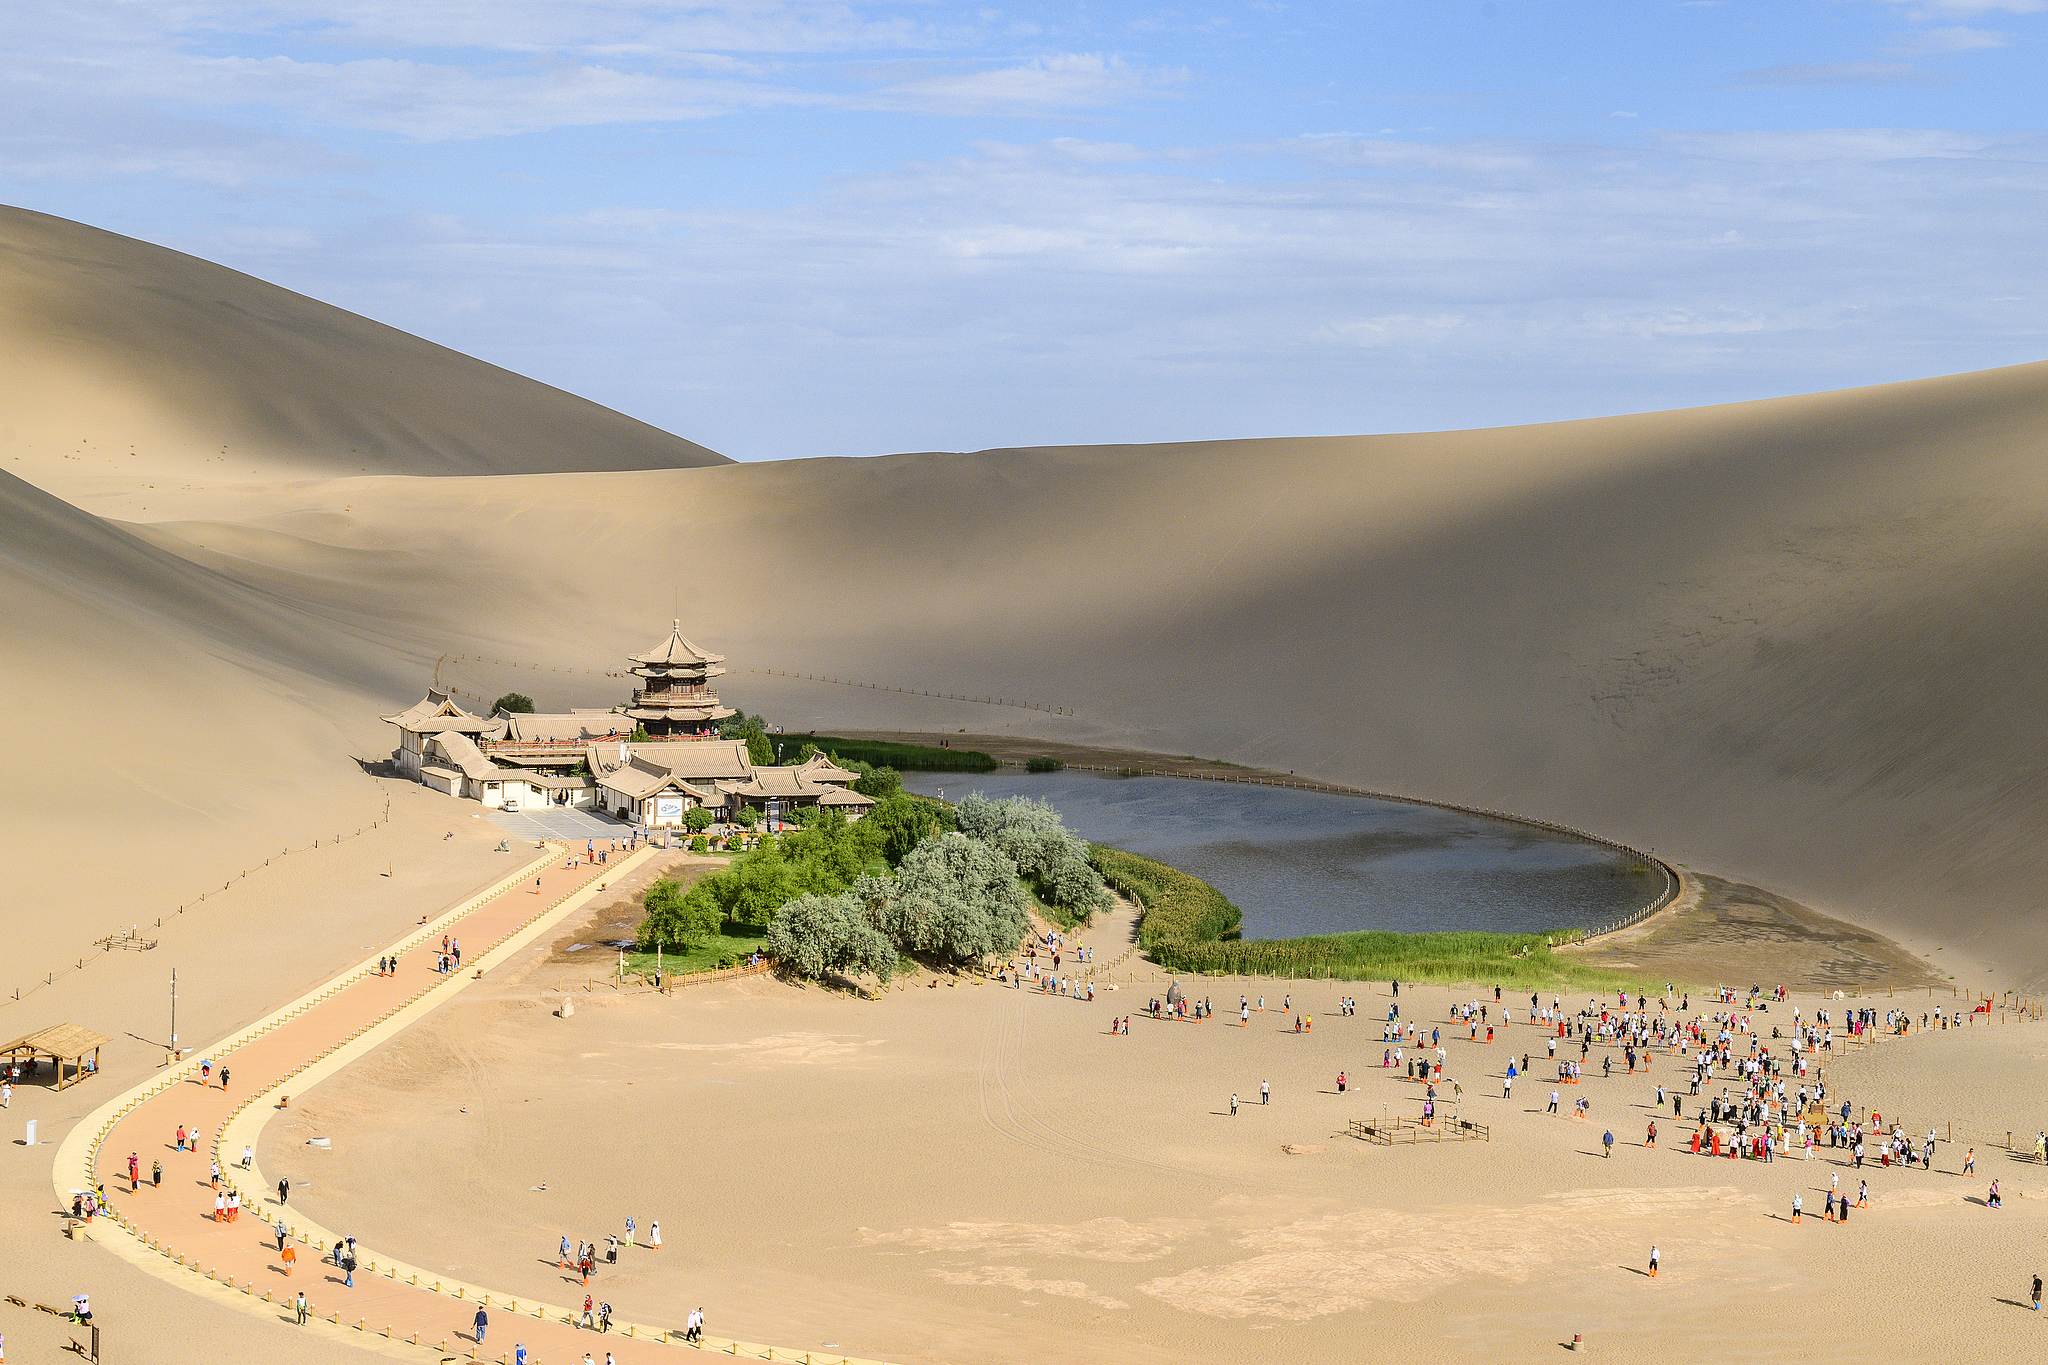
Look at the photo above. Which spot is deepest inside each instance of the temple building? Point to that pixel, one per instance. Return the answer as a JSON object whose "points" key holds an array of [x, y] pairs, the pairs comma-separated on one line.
{"points": [[647, 763], [675, 697]]}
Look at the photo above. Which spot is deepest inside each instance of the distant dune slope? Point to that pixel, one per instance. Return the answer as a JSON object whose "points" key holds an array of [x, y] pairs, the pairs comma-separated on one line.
{"points": [[125, 359], [1797, 640], [1800, 642]]}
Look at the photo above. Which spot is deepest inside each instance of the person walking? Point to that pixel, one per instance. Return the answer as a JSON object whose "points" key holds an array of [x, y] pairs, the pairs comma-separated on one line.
{"points": [[1233, 1104], [223, 1078], [1798, 1203], [299, 1304], [1265, 1092], [1607, 1141], [564, 1260], [156, 1175], [629, 1229], [1970, 1162], [1653, 1261], [281, 1233], [181, 1137], [482, 1322], [586, 1320], [1553, 1102], [284, 1189], [654, 1235], [348, 1270], [611, 1248], [290, 1256], [2037, 1293]]}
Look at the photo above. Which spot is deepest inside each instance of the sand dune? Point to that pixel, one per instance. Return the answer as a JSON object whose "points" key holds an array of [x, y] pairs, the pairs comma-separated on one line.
{"points": [[1792, 641], [133, 362]]}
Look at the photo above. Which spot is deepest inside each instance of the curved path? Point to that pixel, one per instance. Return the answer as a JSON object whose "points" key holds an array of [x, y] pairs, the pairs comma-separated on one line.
{"points": [[394, 1307]]}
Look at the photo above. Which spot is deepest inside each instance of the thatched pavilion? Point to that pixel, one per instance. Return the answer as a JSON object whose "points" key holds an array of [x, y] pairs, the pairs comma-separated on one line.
{"points": [[61, 1043]]}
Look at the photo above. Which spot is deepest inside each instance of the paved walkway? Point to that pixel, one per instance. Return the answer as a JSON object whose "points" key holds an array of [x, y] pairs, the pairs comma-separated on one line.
{"points": [[393, 1304], [559, 822]]}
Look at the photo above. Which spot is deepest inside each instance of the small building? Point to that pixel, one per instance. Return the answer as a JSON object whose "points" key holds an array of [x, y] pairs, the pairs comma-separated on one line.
{"points": [[781, 792]]}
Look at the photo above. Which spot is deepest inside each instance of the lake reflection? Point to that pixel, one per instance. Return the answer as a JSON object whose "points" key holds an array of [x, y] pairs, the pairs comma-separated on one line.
{"points": [[1300, 862]]}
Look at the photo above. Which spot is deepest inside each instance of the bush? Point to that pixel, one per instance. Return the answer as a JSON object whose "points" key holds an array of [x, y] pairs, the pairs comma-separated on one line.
{"points": [[514, 701], [875, 780], [699, 844], [675, 917], [1043, 765], [955, 898], [747, 817], [1047, 854], [697, 818], [903, 757], [814, 935]]}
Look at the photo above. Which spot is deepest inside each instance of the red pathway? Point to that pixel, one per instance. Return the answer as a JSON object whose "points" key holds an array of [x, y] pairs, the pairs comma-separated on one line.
{"points": [[179, 1216]]}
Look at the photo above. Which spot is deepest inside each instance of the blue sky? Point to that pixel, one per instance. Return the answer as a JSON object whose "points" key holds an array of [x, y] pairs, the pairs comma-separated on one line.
{"points": [[787, 228]]}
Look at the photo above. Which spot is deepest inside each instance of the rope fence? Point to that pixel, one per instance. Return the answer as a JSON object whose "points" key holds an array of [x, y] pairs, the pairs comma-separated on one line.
{"points": [[126, 939]]}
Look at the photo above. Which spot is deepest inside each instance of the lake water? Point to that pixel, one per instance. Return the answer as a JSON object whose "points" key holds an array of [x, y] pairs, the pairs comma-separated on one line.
{"points": [[1300, 862]]}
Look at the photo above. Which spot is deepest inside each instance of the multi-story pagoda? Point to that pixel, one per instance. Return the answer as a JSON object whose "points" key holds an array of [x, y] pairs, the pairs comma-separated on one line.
{"points": [[674, 698]]}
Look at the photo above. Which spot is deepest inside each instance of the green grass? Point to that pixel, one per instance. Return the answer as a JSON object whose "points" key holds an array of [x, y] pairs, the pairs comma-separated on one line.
{"points": [[902, 757], [735, 942], [1190, 926]]}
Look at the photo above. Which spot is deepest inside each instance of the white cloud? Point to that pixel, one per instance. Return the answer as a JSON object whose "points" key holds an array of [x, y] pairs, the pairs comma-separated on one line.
{"points": [[1955, 38], [1802, 75], [1930, 10], [1046, 85], [1415, 284]]}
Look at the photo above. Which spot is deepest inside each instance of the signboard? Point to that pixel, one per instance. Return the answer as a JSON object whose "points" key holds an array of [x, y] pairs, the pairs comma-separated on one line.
{"points": [[668, 810]]}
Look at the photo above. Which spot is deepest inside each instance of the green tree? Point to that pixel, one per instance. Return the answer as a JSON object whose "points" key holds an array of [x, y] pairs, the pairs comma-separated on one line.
{"points": [[956, 898], [900, 823], [759, 752], [697, 818], [513, 701], [747, 817], [675, 917], [875, 780], [814, 935]]}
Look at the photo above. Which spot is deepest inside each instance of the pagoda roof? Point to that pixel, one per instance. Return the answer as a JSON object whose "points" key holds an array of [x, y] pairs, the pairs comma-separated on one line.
{"points": [[699, 760], [677, 650], [642, 778], [796, 782], [559, 726], [438, 713], [700, 709], [822, 769]]}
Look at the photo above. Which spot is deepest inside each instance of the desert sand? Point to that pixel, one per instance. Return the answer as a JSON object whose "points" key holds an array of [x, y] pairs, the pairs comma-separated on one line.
{"points": [[973, 1172], [1792, 643]]}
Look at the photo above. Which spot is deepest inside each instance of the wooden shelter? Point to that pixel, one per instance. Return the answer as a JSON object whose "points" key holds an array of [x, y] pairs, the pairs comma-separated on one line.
{"points": [[61, 1043]]}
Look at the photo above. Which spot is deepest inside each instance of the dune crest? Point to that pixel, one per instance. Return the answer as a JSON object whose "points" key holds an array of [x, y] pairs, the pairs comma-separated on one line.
{"points": [[144, 363]]}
